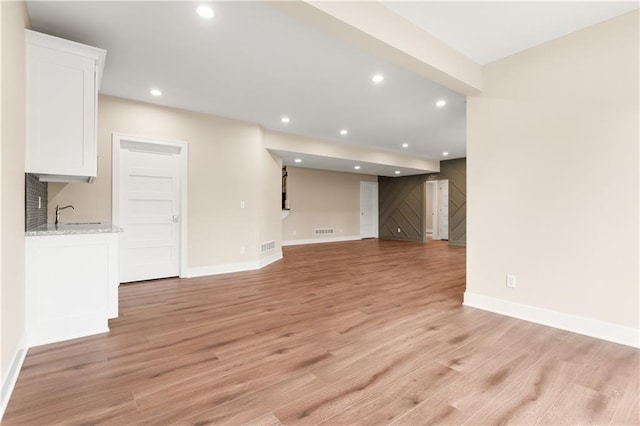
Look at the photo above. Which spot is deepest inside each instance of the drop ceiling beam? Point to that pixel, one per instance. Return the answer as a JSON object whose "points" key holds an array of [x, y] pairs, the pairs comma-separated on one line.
{"points": [[374, 28], [283, 142]]}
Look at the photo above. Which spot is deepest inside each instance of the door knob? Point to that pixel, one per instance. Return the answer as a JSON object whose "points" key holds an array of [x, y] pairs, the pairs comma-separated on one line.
{"points": [[174, 218]]}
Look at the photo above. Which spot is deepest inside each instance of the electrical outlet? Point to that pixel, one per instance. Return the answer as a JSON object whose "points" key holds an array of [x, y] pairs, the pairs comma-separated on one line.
{"points": [[242, 250], [294, 233], [511, 281], [242, 204], [399, 230]]}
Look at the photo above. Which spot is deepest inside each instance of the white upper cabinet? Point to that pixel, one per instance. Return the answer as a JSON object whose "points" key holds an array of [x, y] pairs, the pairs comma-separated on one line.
{"points": [[63, 78]]}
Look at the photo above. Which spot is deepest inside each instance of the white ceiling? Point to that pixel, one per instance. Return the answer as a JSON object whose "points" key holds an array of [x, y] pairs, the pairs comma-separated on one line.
{"points": [[488, 31], [254, 63]]}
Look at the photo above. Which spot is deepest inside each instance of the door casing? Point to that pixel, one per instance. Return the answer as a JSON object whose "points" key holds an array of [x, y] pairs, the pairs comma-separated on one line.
{"points": [[120, 142]]}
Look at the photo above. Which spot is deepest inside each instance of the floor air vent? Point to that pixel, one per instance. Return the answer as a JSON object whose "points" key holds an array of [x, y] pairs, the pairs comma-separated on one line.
{"points": [[269, 245], [323, 231]]}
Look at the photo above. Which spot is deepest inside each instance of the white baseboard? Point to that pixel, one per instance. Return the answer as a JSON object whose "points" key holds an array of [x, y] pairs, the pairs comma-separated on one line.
{"points": [[320, 240], [589, 327], [270, 259], [9, 382], [68, 330], [201, 271]]}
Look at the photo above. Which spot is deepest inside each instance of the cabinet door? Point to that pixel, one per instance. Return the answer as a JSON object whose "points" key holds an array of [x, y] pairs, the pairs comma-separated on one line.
{"points": [[61, 113], [71, 286]]}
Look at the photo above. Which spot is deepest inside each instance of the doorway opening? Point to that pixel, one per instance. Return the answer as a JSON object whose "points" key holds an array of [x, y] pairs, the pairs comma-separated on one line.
{"points": [[437, 209]]}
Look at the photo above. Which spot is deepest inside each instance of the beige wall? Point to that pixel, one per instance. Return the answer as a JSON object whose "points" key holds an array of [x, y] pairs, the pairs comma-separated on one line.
{"points": [[553, 176], [322, 199], [13, 21], [227, 164], [270, 215]]}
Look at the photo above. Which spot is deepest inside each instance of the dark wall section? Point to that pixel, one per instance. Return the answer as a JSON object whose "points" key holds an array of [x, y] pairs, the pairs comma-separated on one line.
{"points": [[456, 172], [35, 212], [402, 204]]}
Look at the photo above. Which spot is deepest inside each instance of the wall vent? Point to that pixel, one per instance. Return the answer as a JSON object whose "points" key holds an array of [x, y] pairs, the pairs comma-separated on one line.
{"points": [[268, 246], [323, 231]]}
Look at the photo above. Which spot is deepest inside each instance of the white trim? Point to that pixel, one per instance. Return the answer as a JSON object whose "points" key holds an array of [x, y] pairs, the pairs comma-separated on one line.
{"points": [[268, 260], [320, 240], [9, 382], [201, 271], [589, 327], [183, 149], [90, 326], [56, 43]]}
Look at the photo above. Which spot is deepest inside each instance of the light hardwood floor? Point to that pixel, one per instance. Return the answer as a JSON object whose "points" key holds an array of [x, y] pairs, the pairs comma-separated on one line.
{"points": [[369, 332]]}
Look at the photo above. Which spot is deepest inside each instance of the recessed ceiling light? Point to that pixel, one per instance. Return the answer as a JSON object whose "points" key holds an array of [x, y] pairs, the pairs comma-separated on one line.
{"points": [[397, 172], [445, 153], [297, 160], [405, 145], [378, 78], [285, 119], [344, 132], [356, 167], [155, 92], [441, 103], [205, 12]]}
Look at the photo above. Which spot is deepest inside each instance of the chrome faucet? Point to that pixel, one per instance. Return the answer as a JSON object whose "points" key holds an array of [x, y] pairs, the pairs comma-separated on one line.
{"points": [[58, 208]]}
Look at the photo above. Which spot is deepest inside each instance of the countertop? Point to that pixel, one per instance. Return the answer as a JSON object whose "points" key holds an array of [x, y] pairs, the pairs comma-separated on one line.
{"points": [[73, 229]]}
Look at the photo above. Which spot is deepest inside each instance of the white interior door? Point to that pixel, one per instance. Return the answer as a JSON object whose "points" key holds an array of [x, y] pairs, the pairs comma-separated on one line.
{"points": [[368, 209], [431, 209], [149, 213], [443, 209]]}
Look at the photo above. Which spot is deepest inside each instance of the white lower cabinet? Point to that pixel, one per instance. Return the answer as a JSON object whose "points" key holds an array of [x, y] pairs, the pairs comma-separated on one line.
{"points": [[72, 285]]}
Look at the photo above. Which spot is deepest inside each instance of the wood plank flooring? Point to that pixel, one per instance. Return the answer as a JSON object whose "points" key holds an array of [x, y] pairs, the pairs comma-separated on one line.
{"points": [[369, 332]]}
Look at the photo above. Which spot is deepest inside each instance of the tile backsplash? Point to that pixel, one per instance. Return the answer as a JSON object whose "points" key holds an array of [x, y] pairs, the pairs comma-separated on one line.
{"points": [[34, 189]]}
